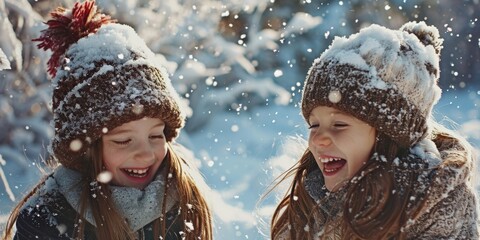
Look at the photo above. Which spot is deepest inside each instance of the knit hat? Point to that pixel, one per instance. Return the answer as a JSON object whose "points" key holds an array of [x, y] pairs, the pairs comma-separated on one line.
{"points": [[386, 78], [104, 75]]}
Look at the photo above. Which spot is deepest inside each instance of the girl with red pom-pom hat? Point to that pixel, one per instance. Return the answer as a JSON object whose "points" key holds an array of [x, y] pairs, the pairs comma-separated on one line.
{"points": [[115, 117]]}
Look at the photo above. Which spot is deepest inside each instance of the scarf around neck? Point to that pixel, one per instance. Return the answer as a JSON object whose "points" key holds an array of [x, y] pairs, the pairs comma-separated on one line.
{"points": [[139, 207], [329, 202]]}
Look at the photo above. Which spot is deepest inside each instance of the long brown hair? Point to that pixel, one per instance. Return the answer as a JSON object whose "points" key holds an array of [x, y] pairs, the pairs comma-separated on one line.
{"points": [[192, 205], [378, 204]]}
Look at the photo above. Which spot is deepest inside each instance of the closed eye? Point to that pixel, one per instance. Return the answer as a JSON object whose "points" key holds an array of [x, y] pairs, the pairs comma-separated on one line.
{"points": [[313, 126], [160, 136], [122, 142], [340, 125]]}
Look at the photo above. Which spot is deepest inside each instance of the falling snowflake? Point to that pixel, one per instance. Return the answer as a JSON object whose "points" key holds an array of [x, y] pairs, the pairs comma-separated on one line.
{"points": [[104, 177], [75, 145], [334, 96]]}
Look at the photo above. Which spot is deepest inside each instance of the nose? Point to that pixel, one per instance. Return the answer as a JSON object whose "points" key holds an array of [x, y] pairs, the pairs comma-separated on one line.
{"points": [[145, 152], [321, 139]]}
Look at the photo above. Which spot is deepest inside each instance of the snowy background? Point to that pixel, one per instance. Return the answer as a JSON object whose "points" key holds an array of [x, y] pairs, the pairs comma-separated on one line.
{"points": [[241, 66]]}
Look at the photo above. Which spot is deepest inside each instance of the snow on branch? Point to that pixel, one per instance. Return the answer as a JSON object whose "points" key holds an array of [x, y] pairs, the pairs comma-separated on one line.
{"points": [[4, 180], [301, 22], [10, 45], [263, 87], [4, 63]]}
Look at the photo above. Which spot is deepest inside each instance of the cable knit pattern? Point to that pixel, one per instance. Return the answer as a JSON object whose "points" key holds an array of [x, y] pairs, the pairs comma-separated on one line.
{"points": [[451, 207]]}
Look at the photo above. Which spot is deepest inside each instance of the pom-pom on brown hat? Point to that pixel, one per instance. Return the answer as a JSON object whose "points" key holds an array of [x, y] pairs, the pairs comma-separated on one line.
{"points": [[386, 78], [104, 75]]}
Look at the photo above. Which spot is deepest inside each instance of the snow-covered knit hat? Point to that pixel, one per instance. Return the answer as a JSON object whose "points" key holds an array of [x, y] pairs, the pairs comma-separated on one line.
{"points": [[386, 78], [104, 75]]}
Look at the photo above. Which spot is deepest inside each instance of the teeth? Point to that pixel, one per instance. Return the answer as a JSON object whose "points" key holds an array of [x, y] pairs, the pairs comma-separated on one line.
{"points": [[326, 160], [137, 171]]}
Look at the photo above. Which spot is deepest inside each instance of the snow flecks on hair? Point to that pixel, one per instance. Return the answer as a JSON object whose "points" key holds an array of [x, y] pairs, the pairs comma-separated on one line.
{"points": [[67, 27]]}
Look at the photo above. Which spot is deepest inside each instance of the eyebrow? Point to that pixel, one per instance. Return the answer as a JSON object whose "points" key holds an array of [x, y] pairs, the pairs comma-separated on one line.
{"points": [[130, 130]]}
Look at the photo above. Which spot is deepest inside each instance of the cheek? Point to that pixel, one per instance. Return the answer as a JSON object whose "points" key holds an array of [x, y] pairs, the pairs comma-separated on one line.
{"points": [[109, 163], [310, 142], [356, 165], [162, 151], [359, 152], [361, 156], [111, 158], [312, 150]]}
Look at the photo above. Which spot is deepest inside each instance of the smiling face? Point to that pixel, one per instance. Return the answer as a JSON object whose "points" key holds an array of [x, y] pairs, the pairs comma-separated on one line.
{"points": [[134, 151], [340, 143]]}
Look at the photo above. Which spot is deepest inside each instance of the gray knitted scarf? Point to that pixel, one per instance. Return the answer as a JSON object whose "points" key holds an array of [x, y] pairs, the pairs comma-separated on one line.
{"points": [[329, 202], [140, 207]]}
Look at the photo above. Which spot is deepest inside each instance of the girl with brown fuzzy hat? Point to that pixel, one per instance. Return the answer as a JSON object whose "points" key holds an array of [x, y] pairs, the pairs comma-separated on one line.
{"points": [[115, 117], [377, 166]]}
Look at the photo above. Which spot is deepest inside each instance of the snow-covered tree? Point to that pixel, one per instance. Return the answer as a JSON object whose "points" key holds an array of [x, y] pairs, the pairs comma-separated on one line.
{"points": [[24, 89]]}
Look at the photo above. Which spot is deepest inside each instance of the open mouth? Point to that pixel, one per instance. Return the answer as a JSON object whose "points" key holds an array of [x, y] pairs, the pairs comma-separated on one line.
{"points": [[332, 165], [136, 172]]}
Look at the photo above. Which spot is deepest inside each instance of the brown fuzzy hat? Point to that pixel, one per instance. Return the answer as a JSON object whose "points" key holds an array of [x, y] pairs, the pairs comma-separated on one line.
{"points": [[386, 78], [104, 76]]}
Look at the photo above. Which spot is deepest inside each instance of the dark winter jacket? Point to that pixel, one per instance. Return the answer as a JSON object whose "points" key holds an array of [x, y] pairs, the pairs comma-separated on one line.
{"points": [[450, 210], [50, 214]]}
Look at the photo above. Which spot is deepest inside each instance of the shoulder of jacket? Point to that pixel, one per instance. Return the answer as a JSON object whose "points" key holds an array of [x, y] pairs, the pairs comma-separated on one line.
{"points": [[52, 201], [49, 216], [445, 164], [448, 162], [46, 195], [450, 177]]}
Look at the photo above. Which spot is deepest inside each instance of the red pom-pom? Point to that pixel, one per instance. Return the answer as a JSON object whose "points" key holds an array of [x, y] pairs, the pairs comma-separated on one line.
{"points": [[67, 27]]}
